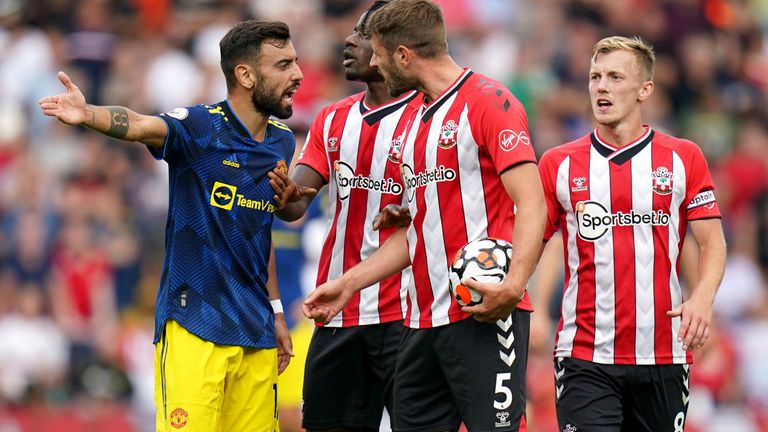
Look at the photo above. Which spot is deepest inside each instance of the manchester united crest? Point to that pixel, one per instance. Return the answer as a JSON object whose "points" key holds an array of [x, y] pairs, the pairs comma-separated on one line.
{"points": [[395, 150], [448, 135], [179, 418], [282, 166], [662, 181]]}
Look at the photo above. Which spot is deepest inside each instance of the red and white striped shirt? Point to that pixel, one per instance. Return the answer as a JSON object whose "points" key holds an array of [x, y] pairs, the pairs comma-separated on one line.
{"points": [[456, 149], [358, 145], [624, 213]]}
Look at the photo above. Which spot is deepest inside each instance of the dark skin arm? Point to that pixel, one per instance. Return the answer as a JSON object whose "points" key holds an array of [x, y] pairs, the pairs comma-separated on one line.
{"points": [[392, 215], [294, 195]]}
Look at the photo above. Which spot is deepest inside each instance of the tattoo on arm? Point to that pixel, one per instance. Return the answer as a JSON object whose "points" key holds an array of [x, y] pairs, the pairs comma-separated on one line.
{"points": [[90, 121], [118, 122]]}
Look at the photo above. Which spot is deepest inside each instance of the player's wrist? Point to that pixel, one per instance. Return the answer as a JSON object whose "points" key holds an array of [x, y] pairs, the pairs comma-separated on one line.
{"points": [[515, 289], [277, 306]]}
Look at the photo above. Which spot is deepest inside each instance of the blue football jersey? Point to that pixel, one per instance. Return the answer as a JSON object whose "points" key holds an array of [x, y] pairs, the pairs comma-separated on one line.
{"points": [[218, 234]]}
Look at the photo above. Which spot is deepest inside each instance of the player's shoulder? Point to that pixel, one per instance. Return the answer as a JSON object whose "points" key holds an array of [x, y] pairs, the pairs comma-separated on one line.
{"points": [[279, 127], [342, 104], [679, 145], [482, 91], [190, 112], [571, 148]]}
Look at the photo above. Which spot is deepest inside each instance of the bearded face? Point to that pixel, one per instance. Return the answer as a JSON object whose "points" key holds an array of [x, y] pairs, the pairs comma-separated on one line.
{"points": [[271, 100]]}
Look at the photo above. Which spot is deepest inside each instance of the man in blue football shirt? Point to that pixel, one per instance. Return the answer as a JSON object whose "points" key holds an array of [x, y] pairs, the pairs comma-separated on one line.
{"points": [[219, 343]]}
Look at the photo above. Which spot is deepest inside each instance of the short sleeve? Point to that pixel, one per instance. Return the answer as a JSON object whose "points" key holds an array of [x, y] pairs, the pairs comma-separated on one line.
{"points": [[548, 174], [700, 196], [184, 126], [500, 125], [313, 154]]}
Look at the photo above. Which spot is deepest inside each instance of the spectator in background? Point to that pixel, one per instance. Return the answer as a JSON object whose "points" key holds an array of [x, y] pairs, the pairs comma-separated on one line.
{"points": [[82, 291], [34, 351], [91, 44]]}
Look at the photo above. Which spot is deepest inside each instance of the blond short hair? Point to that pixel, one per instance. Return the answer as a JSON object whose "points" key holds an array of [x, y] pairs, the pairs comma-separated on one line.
{"points": [[643, 51]]}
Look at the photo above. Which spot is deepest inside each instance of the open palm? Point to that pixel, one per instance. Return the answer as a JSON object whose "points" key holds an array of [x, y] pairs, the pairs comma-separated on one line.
{"points": [[68, 107]]}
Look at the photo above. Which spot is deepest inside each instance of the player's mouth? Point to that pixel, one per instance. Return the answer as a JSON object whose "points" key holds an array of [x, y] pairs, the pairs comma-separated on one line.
{"points": [[348, 58], [288, 94], [603, 105]]}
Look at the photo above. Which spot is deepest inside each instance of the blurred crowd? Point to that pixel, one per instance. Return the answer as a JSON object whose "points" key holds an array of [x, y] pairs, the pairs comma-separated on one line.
{"points": [[82, 217]]}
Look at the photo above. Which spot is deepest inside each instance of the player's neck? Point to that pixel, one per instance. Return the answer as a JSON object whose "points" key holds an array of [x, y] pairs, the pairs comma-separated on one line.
{"points": [[435, 76], [376, 94], [622, 134], [254, 121]]}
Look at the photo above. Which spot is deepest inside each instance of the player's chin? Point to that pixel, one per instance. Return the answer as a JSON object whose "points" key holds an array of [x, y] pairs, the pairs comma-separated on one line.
{"points": [[351, 74]]}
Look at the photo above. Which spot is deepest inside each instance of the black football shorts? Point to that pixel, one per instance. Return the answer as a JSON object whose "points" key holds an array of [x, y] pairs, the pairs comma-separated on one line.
{"points": [[467, 372], [348, 376], [594, 397]]}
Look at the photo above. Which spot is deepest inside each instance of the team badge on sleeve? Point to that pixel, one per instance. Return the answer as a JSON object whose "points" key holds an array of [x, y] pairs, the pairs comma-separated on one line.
{"points": [[702, 198], [448, 135], [509, 139], [178, 113], [662, 181]]}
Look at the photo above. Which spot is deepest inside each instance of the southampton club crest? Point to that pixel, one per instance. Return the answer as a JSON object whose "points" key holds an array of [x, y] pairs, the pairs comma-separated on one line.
{"points": [[395, 150], [662, 181], [448, 135], [333, 144], [579, 184], [503, 419]]}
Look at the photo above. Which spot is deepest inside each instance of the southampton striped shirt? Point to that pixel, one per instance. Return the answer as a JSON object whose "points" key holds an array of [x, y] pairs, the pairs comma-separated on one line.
{"points": [[624, 213], [457, 147], [361, 148]]}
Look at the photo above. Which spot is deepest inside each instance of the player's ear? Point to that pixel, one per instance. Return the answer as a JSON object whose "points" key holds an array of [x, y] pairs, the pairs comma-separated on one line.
{"points": [[245, 75], [404, 55], [645, 91]]}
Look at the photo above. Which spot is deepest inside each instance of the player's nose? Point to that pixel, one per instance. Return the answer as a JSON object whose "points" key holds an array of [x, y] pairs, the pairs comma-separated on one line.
{"points": [[297, 74]]}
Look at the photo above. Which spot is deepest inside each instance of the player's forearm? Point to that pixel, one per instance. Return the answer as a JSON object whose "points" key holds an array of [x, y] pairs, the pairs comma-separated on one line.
{"points": [[273, 292], [526, 241], [711, 265], [389, 259], [292, 211], [547, 271], [123, 124]]}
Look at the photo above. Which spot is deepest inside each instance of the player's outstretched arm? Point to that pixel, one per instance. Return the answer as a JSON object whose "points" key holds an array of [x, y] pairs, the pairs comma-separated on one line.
{"points": [[696, 312], [118, 122], [329, 299], [293, 195], [523, 185]]}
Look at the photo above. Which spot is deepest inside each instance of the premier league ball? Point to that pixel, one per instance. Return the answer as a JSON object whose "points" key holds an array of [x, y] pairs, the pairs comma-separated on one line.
{"points": [[484, 260]]}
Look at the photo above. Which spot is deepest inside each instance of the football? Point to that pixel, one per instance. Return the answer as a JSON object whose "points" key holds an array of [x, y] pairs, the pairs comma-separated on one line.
{"points": [[484, 260]]}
